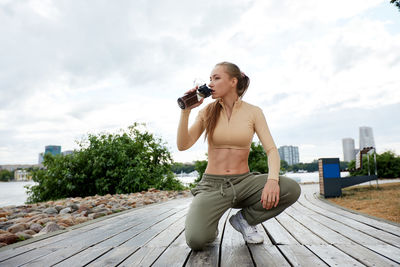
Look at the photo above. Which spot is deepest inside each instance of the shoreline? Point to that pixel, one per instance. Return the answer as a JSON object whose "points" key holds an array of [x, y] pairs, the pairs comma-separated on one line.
{"points": [[22, 222]]}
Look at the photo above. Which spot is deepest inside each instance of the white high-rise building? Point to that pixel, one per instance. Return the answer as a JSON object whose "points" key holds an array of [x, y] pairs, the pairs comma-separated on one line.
{"points": [[349, 152], [366, 137], [290, 154]]}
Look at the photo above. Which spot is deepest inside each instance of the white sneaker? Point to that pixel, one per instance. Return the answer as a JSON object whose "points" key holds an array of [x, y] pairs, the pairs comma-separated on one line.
{"points": [[249, 232]]}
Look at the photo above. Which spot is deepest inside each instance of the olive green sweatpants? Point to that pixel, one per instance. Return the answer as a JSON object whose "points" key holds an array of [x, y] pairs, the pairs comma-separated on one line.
{"points": [[216, 193]]}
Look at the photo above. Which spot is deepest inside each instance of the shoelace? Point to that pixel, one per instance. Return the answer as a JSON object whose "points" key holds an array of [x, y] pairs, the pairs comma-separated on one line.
{"points": [[251, 229]]}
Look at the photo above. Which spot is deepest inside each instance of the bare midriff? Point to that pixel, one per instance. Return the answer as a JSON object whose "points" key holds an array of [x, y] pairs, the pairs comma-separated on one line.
{"points": [[223, 161]]}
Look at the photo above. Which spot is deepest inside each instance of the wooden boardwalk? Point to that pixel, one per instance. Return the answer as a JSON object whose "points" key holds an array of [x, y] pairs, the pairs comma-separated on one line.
{"points": [[310, 233]]}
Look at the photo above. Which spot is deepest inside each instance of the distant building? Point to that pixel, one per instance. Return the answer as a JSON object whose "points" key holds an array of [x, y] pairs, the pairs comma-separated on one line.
{"points": [[22, 175], [13, 167], [366, 137], [290, 154], [67, 152], [349, 151], [54, 150], [41, 155]]}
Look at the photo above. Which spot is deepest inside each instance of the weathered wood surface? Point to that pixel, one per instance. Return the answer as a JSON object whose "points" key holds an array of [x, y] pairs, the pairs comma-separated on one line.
{"points": [[309, 233]]}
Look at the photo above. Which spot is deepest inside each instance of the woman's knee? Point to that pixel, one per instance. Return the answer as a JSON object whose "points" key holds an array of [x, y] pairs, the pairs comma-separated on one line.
{"points": [[290, 188], [197, 240]]}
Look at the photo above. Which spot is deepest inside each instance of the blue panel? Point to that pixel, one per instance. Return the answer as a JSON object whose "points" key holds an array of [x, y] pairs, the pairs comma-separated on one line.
{"points": [[331, 170]]}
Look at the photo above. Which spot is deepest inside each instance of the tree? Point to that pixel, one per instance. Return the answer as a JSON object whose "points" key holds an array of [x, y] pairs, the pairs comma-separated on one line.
{"points": [[396, 3], [106, 164], [6, 175], [258, 160], [200, 166], [388, 164], [178, 167]]}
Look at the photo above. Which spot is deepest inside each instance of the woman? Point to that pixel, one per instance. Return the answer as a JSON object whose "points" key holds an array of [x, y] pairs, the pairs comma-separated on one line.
{"points": [[229, 124]]}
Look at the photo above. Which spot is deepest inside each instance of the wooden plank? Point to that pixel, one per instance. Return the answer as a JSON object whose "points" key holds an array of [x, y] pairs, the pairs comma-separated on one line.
{"points": [[365, 228], [75, 245], [325, 218], [300, 233], [234, 251], [333, 256], [356, 236], [328, 235], [147, 254], [278, 234], [365, 256], [122, 252], [387, 227], [84, 257], [388, 251], [104, 227], [210, 255], [28, 256], [175, 255], [267, 254], [352, 234], [299, 255]]}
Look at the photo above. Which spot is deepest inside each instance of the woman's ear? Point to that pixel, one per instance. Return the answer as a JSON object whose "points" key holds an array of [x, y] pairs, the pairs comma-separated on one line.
{"points": [[234, 82]]}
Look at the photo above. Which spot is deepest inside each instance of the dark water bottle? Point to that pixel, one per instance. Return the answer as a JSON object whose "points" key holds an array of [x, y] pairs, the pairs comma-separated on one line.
{"points": [[194, 97]]}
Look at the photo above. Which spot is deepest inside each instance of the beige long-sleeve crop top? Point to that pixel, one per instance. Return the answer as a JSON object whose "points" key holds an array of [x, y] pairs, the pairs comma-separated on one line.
{"points": [[237, 132]]}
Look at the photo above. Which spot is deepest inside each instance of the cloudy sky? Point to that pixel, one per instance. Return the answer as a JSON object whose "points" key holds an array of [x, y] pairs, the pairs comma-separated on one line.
{"points": [[318, 69]]}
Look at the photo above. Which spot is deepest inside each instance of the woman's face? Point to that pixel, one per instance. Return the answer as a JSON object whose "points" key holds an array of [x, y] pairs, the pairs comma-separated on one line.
{"points": [[221, 83]]}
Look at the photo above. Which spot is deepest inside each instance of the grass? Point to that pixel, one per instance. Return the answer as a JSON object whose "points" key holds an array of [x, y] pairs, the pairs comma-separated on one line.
{"points": [[382, 202]]}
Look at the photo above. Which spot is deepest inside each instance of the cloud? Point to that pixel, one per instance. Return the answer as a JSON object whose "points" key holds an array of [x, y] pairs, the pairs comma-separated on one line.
{"points": [[72, 68]]}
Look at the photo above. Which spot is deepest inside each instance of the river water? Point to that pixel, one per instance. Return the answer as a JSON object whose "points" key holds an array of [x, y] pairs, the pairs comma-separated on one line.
{"points": [[14, 193]]}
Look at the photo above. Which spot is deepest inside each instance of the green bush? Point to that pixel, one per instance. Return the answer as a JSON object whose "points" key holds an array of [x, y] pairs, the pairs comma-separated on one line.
{"points": [[6, 175], [129, 162], [388, 164]]}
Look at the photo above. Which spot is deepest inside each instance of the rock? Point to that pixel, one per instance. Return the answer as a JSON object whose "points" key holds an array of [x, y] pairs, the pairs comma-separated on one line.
{"points": [[148, 201], [81, 219], [37, 217], [8, 238], [23, 235], [3, 214], [66, 221], [97, 210], [63, 225], [44, 220], [30, 232], [59, 207], [84, 213], [66, 210], [50, 210], [36, 227], [50, 227], [93, 216], [3, 219], [3, 232], [18, 228], [5, 225], [73, 206], [3, 245]]}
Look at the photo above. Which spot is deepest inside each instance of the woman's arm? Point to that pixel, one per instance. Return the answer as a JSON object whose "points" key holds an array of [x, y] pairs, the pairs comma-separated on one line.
{"points": [[187, 137], [263, 133]]}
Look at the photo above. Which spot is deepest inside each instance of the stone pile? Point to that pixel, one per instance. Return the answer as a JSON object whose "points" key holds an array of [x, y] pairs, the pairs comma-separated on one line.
{"points": [[22, 222]]}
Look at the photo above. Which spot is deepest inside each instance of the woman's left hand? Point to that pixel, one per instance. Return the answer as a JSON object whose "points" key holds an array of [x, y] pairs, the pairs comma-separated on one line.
{"points": [[270, 194]]}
